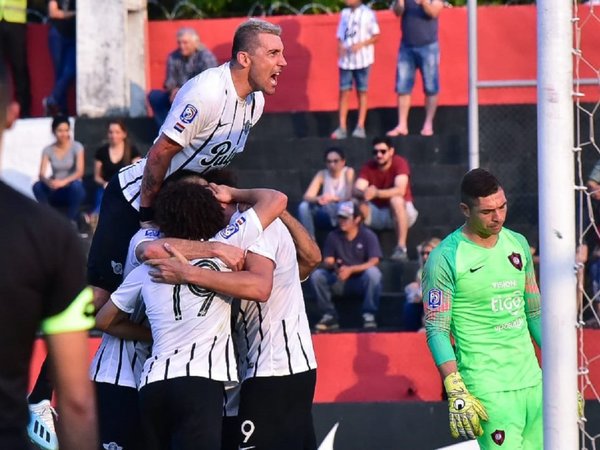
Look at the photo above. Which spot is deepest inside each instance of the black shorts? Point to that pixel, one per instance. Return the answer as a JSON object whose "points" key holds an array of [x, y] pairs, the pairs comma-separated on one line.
{"points": [[117, 223], [119, 416], [183, 413], [276, 412]]}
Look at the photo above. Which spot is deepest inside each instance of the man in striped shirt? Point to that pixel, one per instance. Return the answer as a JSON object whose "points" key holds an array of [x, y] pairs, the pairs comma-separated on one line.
{"points": [[357, 32], [207, 126]]}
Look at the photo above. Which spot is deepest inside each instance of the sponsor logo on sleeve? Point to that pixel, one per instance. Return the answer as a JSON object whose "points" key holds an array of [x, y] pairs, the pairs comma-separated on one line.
{"points": [[515, 260], [189, 114], [151, 232], [434, 298]]}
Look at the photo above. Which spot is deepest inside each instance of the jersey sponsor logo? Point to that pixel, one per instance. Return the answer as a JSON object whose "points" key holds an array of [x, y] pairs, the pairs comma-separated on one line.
{"points": [[504, 284], [189, 113], [112, 446], [219, 156], [233, 228], [518, 323], [151, 232], [515, 260], [512, 304], [475, 269], [434, 298], [179, 127], [498, 437]]}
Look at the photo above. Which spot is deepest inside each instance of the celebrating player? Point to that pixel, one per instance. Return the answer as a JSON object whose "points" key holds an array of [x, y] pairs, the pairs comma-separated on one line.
{"points": [[207, 126], [276, 352], [479, 284], [182, 383]]}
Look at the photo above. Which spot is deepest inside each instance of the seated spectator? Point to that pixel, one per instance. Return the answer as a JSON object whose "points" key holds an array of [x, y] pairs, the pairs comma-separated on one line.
{"points": [[62, 44], [190, 58], [334, 183], [384, 184], [112, 157], [63, 189], [350, 258], [412, 317]]}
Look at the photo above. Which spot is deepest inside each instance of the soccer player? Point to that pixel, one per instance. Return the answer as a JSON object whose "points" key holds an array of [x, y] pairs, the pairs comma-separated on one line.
{"points": [[207, 126], [118, 363], [479, 284], [42, 286], [276, 351], [181, 393]]}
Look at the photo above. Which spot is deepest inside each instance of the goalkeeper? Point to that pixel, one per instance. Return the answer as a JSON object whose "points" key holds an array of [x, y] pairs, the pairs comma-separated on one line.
{"points": [[479, 284]]}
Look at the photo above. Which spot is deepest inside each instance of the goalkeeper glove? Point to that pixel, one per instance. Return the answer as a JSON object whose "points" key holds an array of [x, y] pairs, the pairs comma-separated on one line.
{"points": [[465, 410]]}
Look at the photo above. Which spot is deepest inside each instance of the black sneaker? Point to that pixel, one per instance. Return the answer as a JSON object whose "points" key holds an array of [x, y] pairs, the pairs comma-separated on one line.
{"points": [[327, 323]]}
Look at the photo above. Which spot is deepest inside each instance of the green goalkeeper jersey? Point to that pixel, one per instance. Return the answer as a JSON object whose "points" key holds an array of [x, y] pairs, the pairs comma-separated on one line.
{"points": [[487, 298]]}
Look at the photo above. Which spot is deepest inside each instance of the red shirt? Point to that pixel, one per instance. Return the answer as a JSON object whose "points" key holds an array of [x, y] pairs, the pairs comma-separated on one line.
{"points": [[384, 179]]}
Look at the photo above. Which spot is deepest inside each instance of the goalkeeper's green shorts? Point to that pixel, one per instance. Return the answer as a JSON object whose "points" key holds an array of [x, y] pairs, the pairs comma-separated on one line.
{"points": [[515, 420]]}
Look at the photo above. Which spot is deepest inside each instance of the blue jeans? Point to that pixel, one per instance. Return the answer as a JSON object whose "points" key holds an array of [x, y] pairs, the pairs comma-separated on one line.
{"points": [[62, 52], [427, 60], [70, 197], [312, 215], [161, 104], [367, 284], [360, 77]]}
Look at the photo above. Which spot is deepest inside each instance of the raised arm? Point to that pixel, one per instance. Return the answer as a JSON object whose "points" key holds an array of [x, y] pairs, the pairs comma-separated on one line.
{"points": [[307, 250]]}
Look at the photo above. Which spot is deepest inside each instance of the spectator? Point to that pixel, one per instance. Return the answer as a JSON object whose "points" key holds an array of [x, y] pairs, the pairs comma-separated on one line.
{"points": [[13, 48], [413, 307], [350, 259], [63, 188], [419, 49], [335, 184], [357, 32], [112, 157], [190, 59], [61, 40], [384, 184]]}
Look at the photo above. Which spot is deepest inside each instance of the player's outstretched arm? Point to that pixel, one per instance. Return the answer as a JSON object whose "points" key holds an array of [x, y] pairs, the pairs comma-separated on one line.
{"points": [[268, 204], [308, 252], [255, 282], [232, 256]]}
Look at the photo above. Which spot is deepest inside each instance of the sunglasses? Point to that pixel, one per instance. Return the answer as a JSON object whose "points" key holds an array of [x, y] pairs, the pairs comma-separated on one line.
{"points": [[379, 151], [332, 161], [425, 253]]}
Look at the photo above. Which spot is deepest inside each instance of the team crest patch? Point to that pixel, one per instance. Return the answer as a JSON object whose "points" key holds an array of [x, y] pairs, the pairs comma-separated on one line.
{"points": [[189, 113], [498, 437], [152, 232], [434, 300], [515, 260], [247, 126]]}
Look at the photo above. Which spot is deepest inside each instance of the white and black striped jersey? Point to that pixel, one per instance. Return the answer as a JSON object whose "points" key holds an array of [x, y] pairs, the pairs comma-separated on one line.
{"points": [[120, 361], [190, 325], [209, 121], [357, 25], [275, 335]]}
